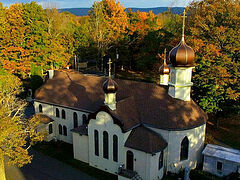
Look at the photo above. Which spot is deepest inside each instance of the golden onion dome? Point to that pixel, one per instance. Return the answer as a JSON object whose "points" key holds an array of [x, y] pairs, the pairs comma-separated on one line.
{"points": [[110, 86], [164, 69], [182, 55]]}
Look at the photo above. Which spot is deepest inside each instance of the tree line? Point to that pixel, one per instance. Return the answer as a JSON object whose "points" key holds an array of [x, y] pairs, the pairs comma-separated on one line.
{"points": [[35, 37]]}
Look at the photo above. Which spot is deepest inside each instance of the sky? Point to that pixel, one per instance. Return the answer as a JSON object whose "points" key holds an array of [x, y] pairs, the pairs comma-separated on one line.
{"points": [[88, 3]]}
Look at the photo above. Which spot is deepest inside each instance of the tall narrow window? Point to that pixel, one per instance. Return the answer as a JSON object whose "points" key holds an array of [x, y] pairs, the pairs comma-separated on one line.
{"points": [[115, 148], [60, 129], [219, 166], [105, 145], [40, 108], [184, 149], [64, 130], [96, 142], [50, 130], [57, 113], [160, 163], [75, 120], [130, 158], [63, 114], [84, 118]]}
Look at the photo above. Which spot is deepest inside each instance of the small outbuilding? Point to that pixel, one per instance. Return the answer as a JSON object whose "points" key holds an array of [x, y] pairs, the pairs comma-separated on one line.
{"points": [[221, 161]]}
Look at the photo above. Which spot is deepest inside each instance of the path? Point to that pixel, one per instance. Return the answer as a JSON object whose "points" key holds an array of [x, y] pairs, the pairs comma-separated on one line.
{"points": [[45, 168]]}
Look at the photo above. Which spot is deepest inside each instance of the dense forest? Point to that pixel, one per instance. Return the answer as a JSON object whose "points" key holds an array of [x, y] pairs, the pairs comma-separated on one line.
{"points": [[34, 40]]}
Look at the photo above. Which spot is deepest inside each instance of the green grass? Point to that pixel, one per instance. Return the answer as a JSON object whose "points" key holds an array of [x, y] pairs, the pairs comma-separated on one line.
{"points": [[64, 152]]}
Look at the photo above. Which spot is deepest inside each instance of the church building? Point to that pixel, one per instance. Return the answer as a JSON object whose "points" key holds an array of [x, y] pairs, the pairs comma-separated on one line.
{"points": [[131, 129]]}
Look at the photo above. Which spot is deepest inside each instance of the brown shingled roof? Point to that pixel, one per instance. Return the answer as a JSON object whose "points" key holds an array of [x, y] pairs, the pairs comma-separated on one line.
{"points": [[146, 140], [146, 103]]}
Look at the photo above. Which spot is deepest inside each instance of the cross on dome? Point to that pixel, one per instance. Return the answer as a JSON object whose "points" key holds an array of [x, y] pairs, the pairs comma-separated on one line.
{"points": [[109, 67], [183, 26]]}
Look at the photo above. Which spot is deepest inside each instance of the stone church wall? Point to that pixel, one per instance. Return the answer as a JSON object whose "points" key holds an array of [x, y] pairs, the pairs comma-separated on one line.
{"points": [[104, 122], [196, 137], [80, 147], [50, 111]]}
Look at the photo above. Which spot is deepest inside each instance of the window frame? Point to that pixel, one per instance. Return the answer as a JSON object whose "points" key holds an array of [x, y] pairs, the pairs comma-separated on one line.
{"points": [[184, 149], [50, 128], [63, 114], [75, 120], [60, 129], [160, 160], [221, 163], [64, 130], [40, 108], [115, 148], [57, 113], [105, 145], [96, 142]]}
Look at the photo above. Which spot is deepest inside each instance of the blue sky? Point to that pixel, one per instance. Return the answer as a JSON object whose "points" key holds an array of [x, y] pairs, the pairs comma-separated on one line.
{"points": [[88, 3]]}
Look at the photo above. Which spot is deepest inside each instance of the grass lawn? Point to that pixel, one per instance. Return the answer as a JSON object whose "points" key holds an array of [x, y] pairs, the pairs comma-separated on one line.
{"points": [[64, 152], [227, 133]]}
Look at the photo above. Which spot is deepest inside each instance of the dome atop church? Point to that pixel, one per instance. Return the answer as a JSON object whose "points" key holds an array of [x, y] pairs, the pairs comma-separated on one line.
{"points": [[182, 55], [164, 69], [110, 86]]}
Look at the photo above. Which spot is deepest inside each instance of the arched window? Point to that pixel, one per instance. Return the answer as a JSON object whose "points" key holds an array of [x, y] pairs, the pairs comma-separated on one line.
{"points": [[115, 148], [160, 162], [96, 143], [64, 130], [40, 108], [130, 158], [84, 119], [50, 130], [75, 120], [57, 113], [60, 128], [63, 114], [184, 149], [105, 145]]}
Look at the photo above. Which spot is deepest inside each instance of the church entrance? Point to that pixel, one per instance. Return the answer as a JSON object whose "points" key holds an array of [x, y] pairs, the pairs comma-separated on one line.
{"points": [[130, 160]]}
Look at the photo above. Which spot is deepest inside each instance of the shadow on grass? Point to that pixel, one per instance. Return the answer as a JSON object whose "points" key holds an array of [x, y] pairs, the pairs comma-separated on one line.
{"points": [[64, 152]]}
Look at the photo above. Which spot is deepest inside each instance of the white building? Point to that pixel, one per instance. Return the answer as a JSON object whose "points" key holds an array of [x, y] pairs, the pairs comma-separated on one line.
{"points": [[128, 128], [221, 161]]}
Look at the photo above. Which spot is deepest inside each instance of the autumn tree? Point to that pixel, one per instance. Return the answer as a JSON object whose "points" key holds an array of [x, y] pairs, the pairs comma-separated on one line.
{"points": [[17, 132], [214, 31], [108, 22]]}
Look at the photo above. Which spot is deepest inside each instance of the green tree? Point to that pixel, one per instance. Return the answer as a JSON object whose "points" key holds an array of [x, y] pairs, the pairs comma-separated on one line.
{"points": [[214, 31]]}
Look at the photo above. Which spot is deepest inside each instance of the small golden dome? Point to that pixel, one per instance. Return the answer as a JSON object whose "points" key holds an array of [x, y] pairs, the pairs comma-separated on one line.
{"points": [[164, 67], [110, 86]]}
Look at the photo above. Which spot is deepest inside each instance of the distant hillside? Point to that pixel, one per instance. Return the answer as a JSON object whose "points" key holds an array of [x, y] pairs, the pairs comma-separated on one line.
{"points": [[157, 10]]}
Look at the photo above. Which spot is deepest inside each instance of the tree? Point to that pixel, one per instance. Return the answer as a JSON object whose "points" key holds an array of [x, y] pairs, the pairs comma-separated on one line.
{"points": [[17, 132], [214, 33], [108, 22]]}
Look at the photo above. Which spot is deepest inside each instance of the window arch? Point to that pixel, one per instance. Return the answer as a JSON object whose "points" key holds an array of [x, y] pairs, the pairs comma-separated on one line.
{"points": [[115, 148], [64, 130], [57, 113], [40, 108], [184, 149], [60, 129], [96, 143], [63, 114], [84, 119], [75, 120], [105, 145], [160, 162], [50, 129], [130, 158]]}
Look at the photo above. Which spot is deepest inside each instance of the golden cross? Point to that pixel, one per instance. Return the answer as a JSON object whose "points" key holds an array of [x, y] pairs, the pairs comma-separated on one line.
{"points": [[165, 54], [183, 27], [109, 68]]}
